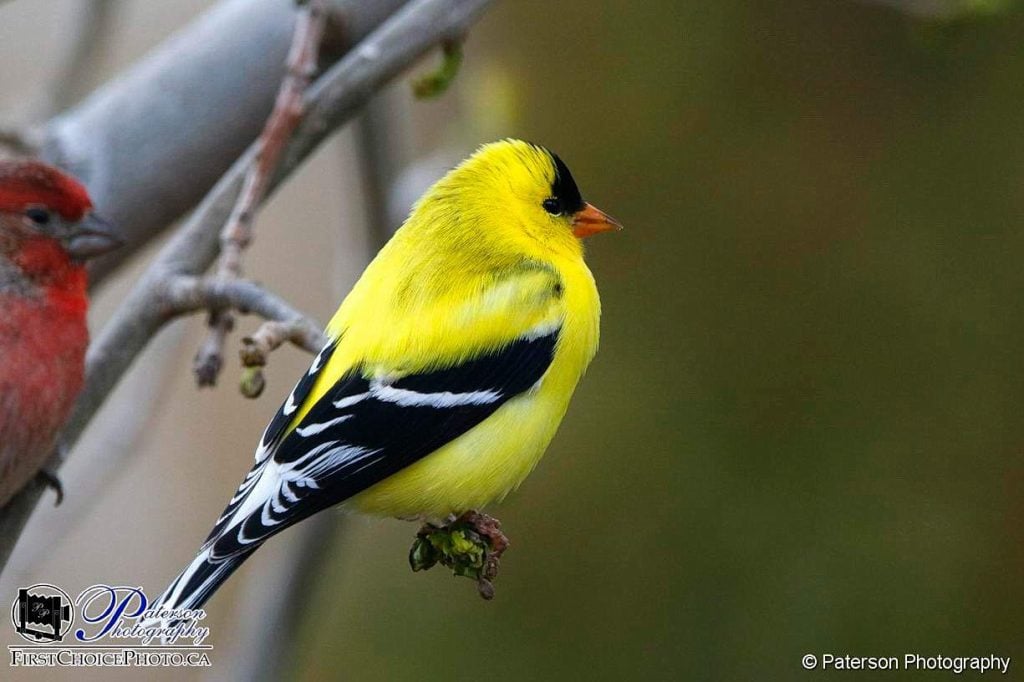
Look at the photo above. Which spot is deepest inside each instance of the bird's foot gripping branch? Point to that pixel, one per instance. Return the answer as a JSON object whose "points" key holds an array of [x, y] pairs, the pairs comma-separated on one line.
{"points": [[471, 545]]}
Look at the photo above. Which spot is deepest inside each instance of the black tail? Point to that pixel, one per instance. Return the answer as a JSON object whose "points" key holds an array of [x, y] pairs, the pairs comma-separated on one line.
{"points": [[200, 579]]}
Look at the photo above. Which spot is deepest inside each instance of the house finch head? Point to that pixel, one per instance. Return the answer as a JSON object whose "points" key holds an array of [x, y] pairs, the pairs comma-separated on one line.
{"points": [[47, 231]]}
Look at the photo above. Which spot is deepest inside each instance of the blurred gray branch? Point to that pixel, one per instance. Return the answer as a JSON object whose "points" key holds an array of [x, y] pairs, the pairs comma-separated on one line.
{"points": [[148, 144], [151, 143]]}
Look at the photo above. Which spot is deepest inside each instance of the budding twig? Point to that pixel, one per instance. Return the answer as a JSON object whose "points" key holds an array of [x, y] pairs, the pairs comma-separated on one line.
{"points": [[237, 233], [256, 350]]}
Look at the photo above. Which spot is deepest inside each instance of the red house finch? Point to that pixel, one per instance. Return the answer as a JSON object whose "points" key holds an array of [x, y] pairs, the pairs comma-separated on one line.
{"points": [[47, 231]]}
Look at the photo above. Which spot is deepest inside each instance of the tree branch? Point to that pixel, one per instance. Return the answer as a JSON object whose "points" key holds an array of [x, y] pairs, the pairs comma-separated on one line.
{"points": [[150, 143], [334, 98], [238, 231], [186, 294]]}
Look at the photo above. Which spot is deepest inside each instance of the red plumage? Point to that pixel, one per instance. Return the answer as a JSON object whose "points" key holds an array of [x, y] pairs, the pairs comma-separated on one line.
{"points": [[43, 304], [23, 183]]}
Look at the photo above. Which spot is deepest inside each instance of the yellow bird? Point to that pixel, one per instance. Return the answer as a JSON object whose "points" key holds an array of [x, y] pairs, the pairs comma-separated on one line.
{"points": [[449, 367]]}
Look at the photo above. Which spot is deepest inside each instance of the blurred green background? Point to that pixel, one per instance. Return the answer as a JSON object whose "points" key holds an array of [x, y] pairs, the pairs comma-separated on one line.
{"points": [[802, 433]]}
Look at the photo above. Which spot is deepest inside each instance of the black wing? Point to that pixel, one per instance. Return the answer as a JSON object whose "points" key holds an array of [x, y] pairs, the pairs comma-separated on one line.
{"points": [[272, 434], [363, 430]]}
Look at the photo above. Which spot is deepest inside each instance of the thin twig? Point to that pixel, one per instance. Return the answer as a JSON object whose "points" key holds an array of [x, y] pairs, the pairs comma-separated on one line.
{"points": [[184, 294], [271, 335], [282, 324], [238, 230]]}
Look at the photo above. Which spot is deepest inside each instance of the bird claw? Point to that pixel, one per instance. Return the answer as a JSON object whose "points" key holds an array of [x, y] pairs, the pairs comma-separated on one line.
{"points": [[470, 545], [50, 479]]}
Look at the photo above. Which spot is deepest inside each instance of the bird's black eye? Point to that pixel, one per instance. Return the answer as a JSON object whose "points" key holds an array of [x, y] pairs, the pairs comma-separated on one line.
{"points": [[552, 206], [40, 216]]}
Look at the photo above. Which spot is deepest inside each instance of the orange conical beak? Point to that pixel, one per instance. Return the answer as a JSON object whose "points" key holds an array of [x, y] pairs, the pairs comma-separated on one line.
{"points": [[589, 221]]}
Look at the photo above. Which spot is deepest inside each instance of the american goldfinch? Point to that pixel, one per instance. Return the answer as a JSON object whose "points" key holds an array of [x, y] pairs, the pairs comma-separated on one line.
{"points": [[449, 367], [47, 230]]}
